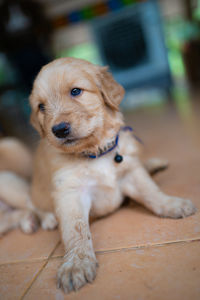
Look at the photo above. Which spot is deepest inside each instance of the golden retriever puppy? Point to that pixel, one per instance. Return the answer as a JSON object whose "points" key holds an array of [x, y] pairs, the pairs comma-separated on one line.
{"points": [[87, 161]]}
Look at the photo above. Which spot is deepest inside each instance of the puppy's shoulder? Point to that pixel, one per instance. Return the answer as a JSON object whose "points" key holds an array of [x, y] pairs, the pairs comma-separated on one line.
{"points": [[128, 144]]}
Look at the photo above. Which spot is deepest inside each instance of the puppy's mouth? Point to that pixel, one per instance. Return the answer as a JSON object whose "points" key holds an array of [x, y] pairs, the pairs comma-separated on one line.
{"points": [[70, 141]]}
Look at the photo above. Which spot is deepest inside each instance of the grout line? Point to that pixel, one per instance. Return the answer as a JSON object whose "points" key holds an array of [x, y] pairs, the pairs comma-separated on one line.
{"points": [[32, 281], [145, 246], [39, 272], [99, 252], [31, 260]]}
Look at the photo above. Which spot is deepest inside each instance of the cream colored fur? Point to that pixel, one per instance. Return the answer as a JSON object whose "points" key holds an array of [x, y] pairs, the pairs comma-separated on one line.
{"points": [[75, 187], [16, 208]]}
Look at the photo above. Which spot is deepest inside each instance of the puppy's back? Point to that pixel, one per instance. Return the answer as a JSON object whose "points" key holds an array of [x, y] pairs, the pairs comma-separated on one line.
{"points": [[15, 157]]}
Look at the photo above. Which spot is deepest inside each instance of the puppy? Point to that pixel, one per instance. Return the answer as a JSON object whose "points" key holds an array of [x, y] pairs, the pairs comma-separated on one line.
{"points": [[87, 161]]}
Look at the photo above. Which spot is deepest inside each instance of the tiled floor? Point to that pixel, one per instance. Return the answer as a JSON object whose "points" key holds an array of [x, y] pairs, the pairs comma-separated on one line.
{"points": [[141, 256]]}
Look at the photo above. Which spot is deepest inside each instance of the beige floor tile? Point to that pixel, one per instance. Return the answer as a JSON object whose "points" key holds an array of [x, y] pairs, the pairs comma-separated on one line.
{"points": [[16, 246], [167, 272], [16, 278]]}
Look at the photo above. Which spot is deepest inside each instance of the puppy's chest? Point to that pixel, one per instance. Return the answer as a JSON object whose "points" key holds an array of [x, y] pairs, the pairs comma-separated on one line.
{"points": [[91, 173], [103, 171]]}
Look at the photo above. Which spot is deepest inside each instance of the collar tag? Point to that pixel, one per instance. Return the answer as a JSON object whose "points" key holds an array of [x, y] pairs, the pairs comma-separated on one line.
{"points": [[118, 158]]}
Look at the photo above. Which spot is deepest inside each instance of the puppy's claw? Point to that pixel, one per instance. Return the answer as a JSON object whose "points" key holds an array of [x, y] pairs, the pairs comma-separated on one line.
{"points": [[90, 275]]}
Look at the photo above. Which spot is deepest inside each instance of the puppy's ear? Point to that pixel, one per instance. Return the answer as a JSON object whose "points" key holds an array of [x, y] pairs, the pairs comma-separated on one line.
{"points": [[34, 118], [36, 124], [111, 91]]}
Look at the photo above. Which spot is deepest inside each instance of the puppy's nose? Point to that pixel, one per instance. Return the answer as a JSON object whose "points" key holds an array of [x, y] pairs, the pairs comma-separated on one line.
{"points": [[61, 130]]}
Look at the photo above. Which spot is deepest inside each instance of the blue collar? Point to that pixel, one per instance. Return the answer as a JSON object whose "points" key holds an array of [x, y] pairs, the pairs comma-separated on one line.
{"points": [[101, 153], [113, 144]]}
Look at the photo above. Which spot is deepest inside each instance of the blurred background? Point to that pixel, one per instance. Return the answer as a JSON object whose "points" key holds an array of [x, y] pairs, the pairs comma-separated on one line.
{"points": [[152, 48]]}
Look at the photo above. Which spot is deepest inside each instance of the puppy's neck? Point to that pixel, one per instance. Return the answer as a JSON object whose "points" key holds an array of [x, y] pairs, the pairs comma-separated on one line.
{"points": [[107, 137], [102, 148]]}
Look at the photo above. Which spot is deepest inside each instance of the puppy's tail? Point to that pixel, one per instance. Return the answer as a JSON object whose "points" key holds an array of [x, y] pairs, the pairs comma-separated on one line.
{"points": [[155, 165]]}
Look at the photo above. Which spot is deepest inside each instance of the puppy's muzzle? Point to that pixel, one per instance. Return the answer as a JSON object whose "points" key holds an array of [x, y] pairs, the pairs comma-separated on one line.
{"points": [[61, 130]]}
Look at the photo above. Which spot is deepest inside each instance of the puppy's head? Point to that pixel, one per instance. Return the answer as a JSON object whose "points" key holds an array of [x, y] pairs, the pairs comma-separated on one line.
{"points": [[72, 103]]}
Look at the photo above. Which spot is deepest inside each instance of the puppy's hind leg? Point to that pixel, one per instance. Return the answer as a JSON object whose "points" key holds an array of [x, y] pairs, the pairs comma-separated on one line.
{"points": [[155, 165], [12, 219], [9, 220], [15, 205]]}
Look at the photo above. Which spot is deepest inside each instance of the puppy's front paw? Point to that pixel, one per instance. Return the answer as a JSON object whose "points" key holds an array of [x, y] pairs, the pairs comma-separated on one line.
{"points": [[174, 207], [76, 272]]}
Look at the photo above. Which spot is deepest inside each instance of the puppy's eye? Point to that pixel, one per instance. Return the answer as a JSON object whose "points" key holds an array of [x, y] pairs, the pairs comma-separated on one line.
{"points": [[76, 92], [41, 107]]}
